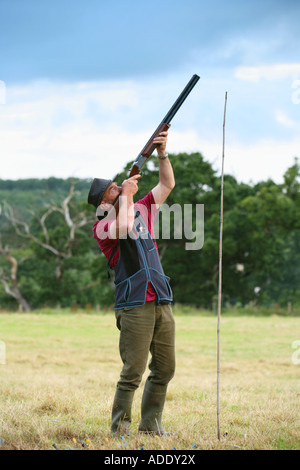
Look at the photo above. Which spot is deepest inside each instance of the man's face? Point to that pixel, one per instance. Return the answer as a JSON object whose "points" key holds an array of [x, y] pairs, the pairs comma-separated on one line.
{"points": [[112, 193]]}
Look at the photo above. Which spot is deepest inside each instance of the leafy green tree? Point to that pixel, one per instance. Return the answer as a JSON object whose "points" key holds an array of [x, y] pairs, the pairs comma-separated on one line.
{"points": [[46, 226], [194, 273]]}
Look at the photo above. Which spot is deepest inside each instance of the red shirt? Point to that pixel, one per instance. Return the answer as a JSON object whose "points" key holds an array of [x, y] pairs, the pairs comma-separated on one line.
{"points": [[148, 211]]}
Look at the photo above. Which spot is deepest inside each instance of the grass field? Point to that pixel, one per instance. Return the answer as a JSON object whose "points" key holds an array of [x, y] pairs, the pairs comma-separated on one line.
{"points": [[60, 371]]}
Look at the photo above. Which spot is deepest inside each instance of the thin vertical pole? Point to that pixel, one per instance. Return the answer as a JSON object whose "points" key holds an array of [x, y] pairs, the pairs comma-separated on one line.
{"points": [[220, 275]]}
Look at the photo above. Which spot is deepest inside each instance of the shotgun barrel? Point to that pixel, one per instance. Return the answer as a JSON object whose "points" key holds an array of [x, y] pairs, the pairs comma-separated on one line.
{"points": [[184, 94]]}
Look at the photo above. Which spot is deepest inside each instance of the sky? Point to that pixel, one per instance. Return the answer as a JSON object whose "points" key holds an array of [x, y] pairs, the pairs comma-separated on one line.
{"points": [[83, 84]]}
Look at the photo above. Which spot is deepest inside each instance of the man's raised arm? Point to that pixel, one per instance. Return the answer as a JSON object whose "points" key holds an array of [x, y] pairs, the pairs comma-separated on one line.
{"points": [[166, 175]]}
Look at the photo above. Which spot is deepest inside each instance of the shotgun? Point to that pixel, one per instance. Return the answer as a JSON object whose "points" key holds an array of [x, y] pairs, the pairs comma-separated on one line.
{"points": [[149, 148]]}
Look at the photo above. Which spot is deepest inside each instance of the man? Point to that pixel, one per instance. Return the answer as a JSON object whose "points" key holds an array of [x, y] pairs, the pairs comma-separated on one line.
{"points": [[143, 295]]}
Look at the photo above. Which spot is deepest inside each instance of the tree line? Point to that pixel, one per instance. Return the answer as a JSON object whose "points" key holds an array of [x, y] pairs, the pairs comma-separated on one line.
{"points": [[48, 256]]}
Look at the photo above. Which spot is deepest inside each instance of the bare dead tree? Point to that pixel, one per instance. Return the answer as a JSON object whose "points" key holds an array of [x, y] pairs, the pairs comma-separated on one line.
{"points": [[10, 282], [74, 223]]}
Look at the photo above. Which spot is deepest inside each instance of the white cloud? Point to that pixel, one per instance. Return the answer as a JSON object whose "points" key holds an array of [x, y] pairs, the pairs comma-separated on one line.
{"points": [[262, 160], [94, 128], [268, 72], [282, 118]]}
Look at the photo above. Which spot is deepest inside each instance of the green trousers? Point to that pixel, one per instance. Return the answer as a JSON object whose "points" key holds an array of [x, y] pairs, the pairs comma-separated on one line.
{"points": [[150, 328]]}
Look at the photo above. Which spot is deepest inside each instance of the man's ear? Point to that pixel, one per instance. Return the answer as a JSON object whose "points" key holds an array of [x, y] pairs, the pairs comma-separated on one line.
{"points": [[102, 209], [104, 206]]}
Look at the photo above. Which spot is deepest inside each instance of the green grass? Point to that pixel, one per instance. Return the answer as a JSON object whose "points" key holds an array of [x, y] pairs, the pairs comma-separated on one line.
{"points": [[61, 369]]}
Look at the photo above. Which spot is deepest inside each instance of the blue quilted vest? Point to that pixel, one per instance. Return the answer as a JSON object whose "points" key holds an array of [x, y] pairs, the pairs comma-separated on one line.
{"points": [[139, 264]]}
